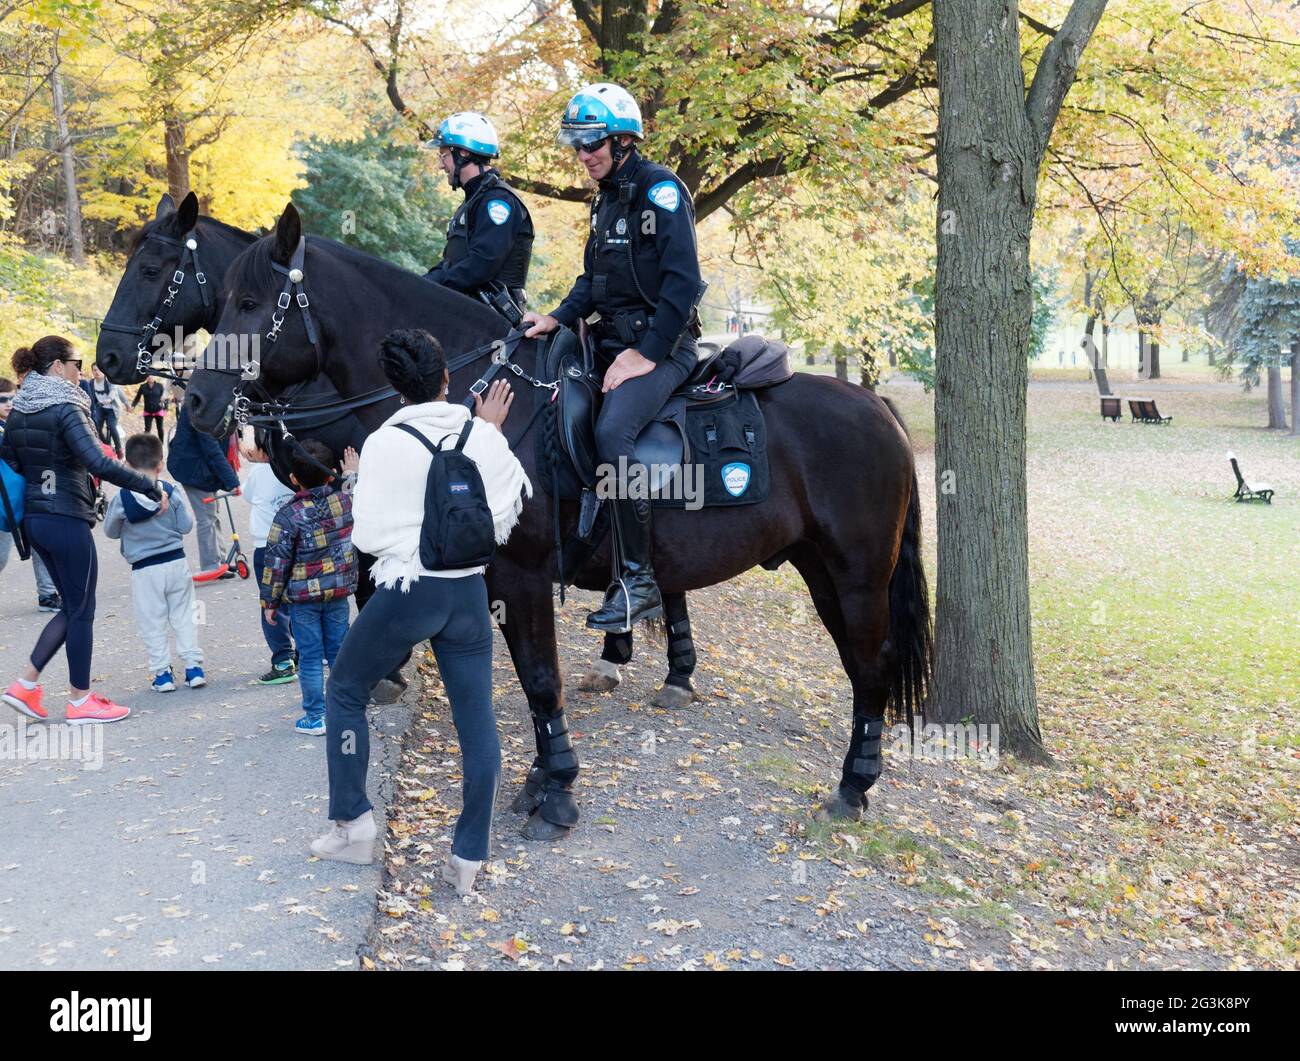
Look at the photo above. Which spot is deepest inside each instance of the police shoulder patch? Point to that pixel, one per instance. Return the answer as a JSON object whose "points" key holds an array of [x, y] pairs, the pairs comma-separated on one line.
{"points": [[665, 196], [499, 211]]}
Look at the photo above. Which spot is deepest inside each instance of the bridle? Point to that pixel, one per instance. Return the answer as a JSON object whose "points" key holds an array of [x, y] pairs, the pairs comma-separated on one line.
{"points": [[189, 246]]}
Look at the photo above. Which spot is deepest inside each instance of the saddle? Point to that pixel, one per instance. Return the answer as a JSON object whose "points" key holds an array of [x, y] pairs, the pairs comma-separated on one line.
{"points": [[717, 384]]}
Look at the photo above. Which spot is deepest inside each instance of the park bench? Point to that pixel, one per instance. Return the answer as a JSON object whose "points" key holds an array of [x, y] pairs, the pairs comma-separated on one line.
{"points": [[1110, 408], [1246, 492], [1143, 410]]}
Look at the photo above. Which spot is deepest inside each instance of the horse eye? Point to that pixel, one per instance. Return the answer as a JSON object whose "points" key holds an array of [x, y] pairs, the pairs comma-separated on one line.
{"points": [[247, 305], [150, 272]]}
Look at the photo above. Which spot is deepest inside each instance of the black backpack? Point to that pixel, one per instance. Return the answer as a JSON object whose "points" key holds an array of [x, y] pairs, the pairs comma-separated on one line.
{"points": [[458, 530]]}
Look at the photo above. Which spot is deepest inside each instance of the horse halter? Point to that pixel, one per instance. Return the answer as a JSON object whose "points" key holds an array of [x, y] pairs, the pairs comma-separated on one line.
{"points": [[189, 255]]}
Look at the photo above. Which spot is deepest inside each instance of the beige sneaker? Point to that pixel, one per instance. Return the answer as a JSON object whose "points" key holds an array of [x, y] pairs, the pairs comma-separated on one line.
{"points": [[352, 841], [460, 874]]}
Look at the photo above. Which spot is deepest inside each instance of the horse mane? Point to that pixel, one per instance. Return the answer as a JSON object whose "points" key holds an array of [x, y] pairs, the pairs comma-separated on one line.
{"points": [[252, 269], [154, 223]]}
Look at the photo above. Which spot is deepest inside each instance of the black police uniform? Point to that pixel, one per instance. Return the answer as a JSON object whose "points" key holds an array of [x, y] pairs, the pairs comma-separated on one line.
{"points": [[642, 275], [644, 215], [489, 238]]}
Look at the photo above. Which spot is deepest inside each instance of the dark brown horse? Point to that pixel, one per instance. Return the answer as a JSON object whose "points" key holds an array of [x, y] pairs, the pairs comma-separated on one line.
{"points": [[843, 506]]}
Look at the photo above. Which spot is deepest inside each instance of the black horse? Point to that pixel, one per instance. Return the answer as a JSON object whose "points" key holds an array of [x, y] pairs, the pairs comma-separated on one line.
{"points": [[150, 301], [843, 506]]}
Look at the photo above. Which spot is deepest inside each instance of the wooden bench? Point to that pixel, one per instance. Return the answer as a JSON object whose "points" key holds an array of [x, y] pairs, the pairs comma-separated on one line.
{"points": [[1144, 411], [1110, 408], [1246, 492]]}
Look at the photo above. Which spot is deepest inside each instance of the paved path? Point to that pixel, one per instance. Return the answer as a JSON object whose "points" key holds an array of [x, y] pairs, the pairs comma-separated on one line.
{"points": [[187, 848]]}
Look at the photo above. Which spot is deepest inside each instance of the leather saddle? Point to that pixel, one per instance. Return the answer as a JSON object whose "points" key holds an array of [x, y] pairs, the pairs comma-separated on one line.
{"points": [[661, 446]]}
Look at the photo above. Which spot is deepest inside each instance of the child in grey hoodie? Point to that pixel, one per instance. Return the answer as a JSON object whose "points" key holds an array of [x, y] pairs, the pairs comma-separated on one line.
{"points": [[152, 535]]}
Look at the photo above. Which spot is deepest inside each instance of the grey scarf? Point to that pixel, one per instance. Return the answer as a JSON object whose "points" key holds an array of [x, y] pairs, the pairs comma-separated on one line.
{"points": [[40, 392]]}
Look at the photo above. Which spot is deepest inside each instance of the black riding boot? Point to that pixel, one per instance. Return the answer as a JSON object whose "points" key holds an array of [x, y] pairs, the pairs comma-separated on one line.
{"points": [[635, 596]]}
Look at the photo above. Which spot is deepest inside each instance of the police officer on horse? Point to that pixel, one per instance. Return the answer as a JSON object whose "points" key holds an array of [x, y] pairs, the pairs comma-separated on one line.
{"points": [[642, 276], [490, 236]]}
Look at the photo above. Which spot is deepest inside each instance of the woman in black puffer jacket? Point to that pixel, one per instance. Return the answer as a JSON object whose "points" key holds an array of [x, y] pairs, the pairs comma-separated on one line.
{"points": [[49, 440]]}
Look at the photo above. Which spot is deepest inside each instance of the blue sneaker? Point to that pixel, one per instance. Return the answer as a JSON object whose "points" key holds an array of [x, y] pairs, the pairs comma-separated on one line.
{"points": [[163, 682], [194, 677], [314, 726]]}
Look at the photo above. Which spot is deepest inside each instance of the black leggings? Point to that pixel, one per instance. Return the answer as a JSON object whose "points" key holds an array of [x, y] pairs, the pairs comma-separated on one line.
{"points": [[65, 545], [154, 423]]}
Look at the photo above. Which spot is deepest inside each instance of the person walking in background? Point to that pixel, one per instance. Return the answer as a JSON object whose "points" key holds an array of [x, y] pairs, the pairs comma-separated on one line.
{"points": [[198, 462], [47, 597], [310, 570], [153, 394], [153, 543], [49, 440], [266, 495], [108, 400]]}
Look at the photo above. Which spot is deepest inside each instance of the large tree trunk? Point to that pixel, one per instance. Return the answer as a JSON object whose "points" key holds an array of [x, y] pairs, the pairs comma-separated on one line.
{"points": [[987, 173], [841, 362], [178, 157], [1276, 408], [76, 243]]}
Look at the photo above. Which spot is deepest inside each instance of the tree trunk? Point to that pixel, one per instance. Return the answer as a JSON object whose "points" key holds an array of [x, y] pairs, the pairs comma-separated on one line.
{"points": [[841, 363], [75, 240], [867, 372], [621, 21], [1276, 408], [178, 158], [1148, 351], [1105, 344], [988, 167], [1295, 385], [1094, 358], [810, 353]]}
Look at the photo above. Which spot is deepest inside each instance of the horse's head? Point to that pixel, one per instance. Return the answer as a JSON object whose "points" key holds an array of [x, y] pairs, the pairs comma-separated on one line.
{"points": [[261, 334], [149, 303]]}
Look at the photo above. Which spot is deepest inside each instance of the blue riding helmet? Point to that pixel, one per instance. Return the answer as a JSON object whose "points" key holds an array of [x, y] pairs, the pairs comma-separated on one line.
{"points": [[471, 131], [597, 111]]}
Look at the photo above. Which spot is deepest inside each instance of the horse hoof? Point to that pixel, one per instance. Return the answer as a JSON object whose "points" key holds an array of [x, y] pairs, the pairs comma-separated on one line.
{"points": [[526, 802], [538, 828], [839, 809], [673, 697], [386, 692], [602, 678]]}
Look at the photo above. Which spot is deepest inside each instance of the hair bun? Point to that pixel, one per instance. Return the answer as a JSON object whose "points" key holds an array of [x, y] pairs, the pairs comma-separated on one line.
{"points": [[24, 360]]}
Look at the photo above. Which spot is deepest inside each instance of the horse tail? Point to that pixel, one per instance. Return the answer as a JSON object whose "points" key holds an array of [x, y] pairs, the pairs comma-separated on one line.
{"points": [[911, 659]]}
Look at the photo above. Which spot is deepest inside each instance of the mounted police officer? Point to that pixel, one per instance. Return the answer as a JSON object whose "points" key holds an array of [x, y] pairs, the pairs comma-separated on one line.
{"points": [[490, 237], [642, 276]]}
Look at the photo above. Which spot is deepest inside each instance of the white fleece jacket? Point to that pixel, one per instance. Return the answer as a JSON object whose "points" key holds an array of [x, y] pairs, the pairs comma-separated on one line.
{"points": [[388, 503]]}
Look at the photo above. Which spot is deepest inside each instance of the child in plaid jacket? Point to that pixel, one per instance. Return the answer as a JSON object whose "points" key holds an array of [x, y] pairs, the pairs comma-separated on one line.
{"points": [[310, 569]]}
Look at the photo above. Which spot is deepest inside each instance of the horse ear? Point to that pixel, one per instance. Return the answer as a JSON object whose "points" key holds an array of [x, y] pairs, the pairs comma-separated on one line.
{"points": [[288, 231], [187, 213], [166, 205]]}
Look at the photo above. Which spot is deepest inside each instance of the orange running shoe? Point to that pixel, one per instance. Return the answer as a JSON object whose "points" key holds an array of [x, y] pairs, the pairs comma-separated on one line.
{"points": [[96, 709], [28, 701]]}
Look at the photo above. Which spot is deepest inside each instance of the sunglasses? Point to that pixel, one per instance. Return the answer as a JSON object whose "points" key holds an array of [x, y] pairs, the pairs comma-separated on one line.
{"points": [[6, 399], [592, 147], [72, 361]]}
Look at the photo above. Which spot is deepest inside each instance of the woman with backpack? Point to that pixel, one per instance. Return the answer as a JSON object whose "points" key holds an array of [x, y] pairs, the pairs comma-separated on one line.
{"points": [[419, 594]]}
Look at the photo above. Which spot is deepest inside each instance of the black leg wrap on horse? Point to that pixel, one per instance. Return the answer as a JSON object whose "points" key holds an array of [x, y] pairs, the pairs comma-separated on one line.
{"points": [[863, 764], [681, 650], [618, 649], [559, 765]]}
